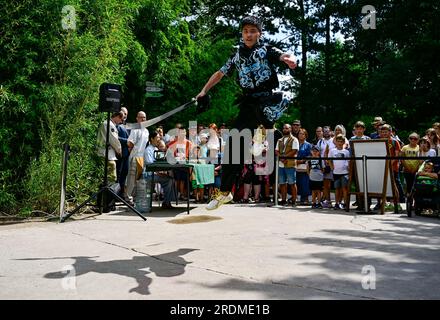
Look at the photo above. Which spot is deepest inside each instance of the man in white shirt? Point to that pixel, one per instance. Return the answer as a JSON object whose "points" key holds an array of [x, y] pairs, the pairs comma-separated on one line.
{"points": [[137, 142]]}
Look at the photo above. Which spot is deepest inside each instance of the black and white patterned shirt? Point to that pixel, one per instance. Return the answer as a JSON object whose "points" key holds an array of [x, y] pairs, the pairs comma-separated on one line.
{"points": [[255, 67]]}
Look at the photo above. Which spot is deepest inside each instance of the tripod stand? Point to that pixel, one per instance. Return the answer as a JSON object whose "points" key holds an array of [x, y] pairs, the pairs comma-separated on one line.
{"points": [[106, 190]]}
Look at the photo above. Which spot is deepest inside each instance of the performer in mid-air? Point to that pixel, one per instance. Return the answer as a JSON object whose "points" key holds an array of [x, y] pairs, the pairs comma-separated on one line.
{"points": [[256, 67]]}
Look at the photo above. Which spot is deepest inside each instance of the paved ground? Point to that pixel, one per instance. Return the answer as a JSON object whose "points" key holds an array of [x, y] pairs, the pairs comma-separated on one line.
{"points": [[251, 252]]}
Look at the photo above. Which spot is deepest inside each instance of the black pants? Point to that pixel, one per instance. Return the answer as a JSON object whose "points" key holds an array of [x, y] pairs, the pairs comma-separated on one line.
{"points": [[409, 179], [249, 117], [122, 171]]}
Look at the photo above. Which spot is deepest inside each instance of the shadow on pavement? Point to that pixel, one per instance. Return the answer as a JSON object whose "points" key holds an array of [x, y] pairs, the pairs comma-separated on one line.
{"points": [[170, 264], [402, 257]]}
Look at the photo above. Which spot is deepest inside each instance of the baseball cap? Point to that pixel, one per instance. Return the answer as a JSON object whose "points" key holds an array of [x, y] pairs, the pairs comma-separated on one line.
{"points": [[414, 134], [296, 122], [377, 120]]}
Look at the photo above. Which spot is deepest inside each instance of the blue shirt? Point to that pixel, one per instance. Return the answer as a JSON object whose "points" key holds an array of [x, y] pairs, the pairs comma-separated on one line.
{"points": [[123, 137], [305, 150], [149, 154]]}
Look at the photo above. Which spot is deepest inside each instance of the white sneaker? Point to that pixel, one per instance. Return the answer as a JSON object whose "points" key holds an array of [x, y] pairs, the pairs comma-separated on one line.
{"points": [[219, 200]]}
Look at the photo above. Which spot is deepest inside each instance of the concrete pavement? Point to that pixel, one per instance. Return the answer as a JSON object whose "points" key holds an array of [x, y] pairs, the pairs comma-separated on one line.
{"points": [[248, 252]]}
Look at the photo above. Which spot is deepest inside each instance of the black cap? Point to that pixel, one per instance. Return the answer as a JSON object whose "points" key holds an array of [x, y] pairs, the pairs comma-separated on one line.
{"points": [[252, 21]]}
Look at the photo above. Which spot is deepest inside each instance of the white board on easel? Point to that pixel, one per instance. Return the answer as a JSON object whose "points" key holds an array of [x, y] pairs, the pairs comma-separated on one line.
{"points": [[376, 169]]}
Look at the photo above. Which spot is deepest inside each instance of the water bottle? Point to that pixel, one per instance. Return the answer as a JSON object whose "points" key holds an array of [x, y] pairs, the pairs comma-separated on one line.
{"points": [[143, 196]]}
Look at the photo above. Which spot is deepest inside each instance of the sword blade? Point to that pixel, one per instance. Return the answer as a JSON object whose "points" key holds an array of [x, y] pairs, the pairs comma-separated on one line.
{"points": [[153, 121]]}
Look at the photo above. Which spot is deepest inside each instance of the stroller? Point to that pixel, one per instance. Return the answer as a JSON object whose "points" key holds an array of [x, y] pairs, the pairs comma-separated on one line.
{"points": [[425, 194]]}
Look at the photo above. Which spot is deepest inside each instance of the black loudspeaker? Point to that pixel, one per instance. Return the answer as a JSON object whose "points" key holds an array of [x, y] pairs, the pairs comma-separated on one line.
{"points": [[109, 97]]}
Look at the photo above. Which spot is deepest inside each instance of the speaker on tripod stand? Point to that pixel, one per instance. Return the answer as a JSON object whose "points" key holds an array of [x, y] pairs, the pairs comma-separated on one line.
{"points": [[109, 102]]}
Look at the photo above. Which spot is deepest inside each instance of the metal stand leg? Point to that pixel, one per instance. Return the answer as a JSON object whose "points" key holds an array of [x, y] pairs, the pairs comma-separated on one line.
{"points": [[188, 190], [276, 181], [105, 187], [365, 177]]}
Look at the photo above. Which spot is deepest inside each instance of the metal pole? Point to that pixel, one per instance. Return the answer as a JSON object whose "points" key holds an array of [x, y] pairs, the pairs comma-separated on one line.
{"points": [[103, 204], [276, 180], [364, 174], [63, 180], [107, 146]]}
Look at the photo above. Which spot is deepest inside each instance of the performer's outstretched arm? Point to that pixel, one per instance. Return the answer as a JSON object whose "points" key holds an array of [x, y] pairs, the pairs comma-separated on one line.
{"points": [[289, 60], [215, 78]]}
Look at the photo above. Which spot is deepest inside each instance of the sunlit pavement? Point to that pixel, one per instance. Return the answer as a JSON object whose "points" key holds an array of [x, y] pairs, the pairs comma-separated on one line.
{"points": [[236, 252]]}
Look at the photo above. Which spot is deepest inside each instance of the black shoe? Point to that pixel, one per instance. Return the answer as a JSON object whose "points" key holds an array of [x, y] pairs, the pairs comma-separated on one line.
{"points": [[167, 205]]}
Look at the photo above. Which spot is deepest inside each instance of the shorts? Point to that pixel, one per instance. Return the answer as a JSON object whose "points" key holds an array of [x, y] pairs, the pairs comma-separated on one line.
{"points": [[341, 180], [196, 186], [316, 185], [286, 175], [328, 176]]}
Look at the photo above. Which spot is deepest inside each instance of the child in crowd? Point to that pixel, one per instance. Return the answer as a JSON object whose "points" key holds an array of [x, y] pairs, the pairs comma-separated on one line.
{"points": [[316, 176], [427, 170], [340, 171], [410, 167], [425, 149]]}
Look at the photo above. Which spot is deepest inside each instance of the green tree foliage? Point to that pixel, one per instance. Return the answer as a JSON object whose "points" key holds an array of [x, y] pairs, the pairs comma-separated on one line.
{"points": [[49, 96], [388, 71]]}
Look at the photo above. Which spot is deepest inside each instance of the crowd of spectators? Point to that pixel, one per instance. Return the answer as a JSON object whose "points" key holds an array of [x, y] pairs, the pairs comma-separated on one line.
{"points": [[304, 178]]}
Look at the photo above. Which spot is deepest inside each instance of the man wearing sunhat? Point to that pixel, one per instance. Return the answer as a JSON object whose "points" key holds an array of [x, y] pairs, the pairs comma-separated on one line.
{"points": [[296, 125], [377, 123]]}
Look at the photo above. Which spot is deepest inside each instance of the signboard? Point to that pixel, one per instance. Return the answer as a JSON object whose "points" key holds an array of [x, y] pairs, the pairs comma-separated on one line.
{"points": [[380, 181], [153, 87]]}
